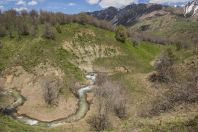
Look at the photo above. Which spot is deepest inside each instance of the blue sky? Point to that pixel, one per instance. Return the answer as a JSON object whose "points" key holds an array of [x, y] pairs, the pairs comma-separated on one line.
{"points": [[73, 6], [66, 6]]}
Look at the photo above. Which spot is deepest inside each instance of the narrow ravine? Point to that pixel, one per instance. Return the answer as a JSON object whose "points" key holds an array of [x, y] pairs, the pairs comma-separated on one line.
{"points": [[83, 107]]}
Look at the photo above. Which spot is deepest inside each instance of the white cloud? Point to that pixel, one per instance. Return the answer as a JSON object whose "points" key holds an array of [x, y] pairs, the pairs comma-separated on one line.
{"points": [[92, 2], [32, 3], [122, 3], [21, 2], [71, 4], [20, 9], [1, 7], [116, 3], [167, 1]]}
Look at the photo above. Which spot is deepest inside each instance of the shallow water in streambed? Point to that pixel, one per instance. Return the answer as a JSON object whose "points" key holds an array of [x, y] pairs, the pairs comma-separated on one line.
{"points": [[83, 107]]}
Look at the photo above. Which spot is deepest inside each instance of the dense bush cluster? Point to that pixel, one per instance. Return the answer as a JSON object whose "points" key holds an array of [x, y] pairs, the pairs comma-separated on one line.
{"points": [[138, 36], [51, 90], [100, 120], [192, 124], [121, 33], [1, 45], [164, 67], [110, 99], [17, 24], [48, 32], [181, 89]]}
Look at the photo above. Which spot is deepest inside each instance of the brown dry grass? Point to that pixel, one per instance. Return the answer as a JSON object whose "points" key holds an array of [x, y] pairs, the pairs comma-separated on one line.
{"points": [[30, 85]]}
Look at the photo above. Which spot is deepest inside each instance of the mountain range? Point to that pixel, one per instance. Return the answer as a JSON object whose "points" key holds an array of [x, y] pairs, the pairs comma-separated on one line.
{"points": [[159, 21], [130, 14]]}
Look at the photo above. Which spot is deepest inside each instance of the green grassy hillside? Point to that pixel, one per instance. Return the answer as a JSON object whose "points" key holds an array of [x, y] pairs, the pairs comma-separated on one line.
{"points": [[170, 26], [80, 45]]}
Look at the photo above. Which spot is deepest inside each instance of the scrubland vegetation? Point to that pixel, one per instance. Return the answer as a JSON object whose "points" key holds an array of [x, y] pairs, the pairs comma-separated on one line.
{"points": [[110, 98], [146, 86], [51, 89]]}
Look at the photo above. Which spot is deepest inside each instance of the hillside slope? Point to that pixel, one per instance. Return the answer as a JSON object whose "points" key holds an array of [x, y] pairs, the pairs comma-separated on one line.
{"points": [[79, 49], [169, 26], [154, 20], [130, 14]]}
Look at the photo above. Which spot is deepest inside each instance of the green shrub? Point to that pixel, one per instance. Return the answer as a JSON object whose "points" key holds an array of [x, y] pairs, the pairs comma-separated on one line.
{"points": [[2, 31], [1, 45], [58, 28], [24, 30], [121, 33]]}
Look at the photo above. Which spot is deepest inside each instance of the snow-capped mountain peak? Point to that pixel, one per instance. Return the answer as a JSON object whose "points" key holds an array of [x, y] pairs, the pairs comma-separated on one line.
{"points": [[191, 8]]}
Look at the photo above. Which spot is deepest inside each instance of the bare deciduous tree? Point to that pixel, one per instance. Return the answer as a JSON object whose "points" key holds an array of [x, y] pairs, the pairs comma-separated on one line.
{"points": [[51, 89], [23, 29], [100, 120], [183, 89], [34, 17], [195, 45], [33, 30], [120, 106], [2, 31], [110, 98], [163, 66], [48, 32], [12, 21], [114, 95], [1, 45]]}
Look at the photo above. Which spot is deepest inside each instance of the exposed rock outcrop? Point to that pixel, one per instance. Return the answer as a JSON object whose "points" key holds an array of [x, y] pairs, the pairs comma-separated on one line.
{"points": [[127, 15], [191, 8], [86, 50]]}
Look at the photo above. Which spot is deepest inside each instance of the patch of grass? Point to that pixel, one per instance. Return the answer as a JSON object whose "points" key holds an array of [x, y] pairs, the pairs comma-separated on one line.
{"points": [[9, 125], [128, 82], [185, 25], [136, 59], [181, 125], [31, 51], [171, 27]]}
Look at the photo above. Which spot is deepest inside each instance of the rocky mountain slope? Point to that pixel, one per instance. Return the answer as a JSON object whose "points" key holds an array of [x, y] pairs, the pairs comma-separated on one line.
{"points": [[131, 13], [156, 21], [191, 8]]}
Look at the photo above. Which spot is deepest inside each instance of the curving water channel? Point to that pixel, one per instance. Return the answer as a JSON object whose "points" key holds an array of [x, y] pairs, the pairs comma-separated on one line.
{"points": [[81, 112]]}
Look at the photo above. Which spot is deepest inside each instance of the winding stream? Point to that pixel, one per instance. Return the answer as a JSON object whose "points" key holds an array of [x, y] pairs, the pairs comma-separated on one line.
{"points": [[81, 112]]}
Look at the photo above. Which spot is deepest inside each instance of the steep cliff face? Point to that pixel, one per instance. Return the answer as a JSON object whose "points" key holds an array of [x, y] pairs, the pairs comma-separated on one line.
{"points": [[191, 8]]}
